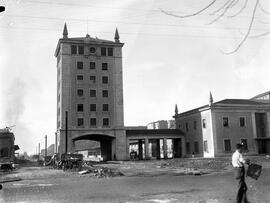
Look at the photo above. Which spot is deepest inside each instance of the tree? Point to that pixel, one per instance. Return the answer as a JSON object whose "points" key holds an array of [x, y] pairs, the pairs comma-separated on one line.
{"points": [[231, 9]]}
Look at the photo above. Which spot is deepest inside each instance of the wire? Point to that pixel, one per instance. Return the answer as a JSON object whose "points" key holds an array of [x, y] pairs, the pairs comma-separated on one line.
{"points": [[134, 33], [107, 7], [86, 5], [131, 23]]}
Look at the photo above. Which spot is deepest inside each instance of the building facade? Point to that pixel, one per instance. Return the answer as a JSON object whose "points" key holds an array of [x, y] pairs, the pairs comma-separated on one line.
{"points": [[214, 129], [162, 124], [264, 97], [90, 94]]}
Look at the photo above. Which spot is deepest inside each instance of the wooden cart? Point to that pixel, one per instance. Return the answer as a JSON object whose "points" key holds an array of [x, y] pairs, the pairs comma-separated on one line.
{"points": [[71, 161]]}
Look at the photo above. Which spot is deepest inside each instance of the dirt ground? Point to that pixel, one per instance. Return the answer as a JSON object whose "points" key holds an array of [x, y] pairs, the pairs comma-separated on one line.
{"points": [[191, 166], [175, 180]]}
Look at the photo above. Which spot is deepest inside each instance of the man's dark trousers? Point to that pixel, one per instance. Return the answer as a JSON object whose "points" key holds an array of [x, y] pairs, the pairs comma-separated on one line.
{"points": [[242, 187]]}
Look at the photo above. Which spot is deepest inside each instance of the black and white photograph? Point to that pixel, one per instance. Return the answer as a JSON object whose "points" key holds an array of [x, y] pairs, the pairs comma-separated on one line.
{"points": [[135, 101]]}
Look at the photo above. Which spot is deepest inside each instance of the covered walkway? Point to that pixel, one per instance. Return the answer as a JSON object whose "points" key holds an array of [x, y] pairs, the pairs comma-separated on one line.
{"points": [[155, 144]]}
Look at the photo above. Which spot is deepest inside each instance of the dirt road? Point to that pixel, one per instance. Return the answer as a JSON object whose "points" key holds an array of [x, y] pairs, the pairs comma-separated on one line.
{"points": [[40, 184]]}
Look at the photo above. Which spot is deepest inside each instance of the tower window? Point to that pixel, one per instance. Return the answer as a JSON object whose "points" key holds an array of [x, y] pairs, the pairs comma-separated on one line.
{"points": [[79, 77], [92, 65], [105, 80], [80, 107], [103, 51], [105, 107], [105, 121], [92, 93], [93, 121], [93, 107], [92, 79], [92, 50], [104, 66], [80, 92], [79, 65], [105, 93], [80, 122], [81, 50], [110, 51], [73, 49]]}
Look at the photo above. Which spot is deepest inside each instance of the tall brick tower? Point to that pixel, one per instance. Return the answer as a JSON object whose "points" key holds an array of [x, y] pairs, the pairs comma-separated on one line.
{"points": [[90, 94]]}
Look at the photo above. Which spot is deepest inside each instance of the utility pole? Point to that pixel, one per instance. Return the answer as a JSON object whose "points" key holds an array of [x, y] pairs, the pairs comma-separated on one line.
{"points": [[66, 132], [38, 150], [55, 146], [45, 145], [45, 150]]}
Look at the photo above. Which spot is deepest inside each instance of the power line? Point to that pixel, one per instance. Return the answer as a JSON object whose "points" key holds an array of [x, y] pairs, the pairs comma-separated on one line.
{"points": [[132, 23], [115, 8], [87, 5], [135, 33], [94, 6]]}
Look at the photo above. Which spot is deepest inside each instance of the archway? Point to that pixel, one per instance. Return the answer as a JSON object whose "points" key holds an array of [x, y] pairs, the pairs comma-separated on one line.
{"points": [[107, 150]]}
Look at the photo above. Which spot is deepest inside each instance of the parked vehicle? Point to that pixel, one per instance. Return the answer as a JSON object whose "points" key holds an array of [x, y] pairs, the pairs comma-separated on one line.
{"points": [[7, 149]]}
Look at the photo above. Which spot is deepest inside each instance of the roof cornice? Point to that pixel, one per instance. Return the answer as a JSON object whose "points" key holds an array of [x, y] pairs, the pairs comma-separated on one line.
{"points": [[98, 42]]}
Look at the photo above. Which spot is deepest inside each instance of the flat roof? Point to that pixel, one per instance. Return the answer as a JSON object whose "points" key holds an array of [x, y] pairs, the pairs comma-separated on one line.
{"points": [[154, 131]]}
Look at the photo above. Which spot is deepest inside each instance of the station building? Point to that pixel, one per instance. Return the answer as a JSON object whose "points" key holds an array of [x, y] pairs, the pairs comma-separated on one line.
{"points": [[213, 130], [90, 112], [90, 104]]}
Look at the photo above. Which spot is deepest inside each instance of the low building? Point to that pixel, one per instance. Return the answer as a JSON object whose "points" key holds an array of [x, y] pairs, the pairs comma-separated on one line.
{"points": [[50, 150], [161, 124], [214, 129], [156, 143], [264, 97]]}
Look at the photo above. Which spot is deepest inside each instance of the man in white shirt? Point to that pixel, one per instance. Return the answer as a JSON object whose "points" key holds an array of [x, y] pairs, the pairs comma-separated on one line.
{"points": [[238, 163]]}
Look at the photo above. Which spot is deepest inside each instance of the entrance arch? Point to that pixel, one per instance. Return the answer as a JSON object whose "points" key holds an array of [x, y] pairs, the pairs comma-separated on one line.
{"points": [[106, 144]]}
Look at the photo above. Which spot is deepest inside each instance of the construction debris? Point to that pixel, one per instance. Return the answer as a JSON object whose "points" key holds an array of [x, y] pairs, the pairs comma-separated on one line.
{"points": [[102, 172], [98, 171]]}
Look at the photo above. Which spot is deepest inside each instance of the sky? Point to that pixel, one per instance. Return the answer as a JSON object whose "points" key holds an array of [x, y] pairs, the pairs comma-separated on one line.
{"points": [[166, 60]]}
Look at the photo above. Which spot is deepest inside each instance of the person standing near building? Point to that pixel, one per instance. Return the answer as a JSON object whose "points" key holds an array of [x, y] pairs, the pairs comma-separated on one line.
{"points": [[238, 163]]}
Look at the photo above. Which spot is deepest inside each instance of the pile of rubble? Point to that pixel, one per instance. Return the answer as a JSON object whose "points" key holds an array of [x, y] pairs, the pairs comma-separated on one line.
{"points": [[99, 171]]}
